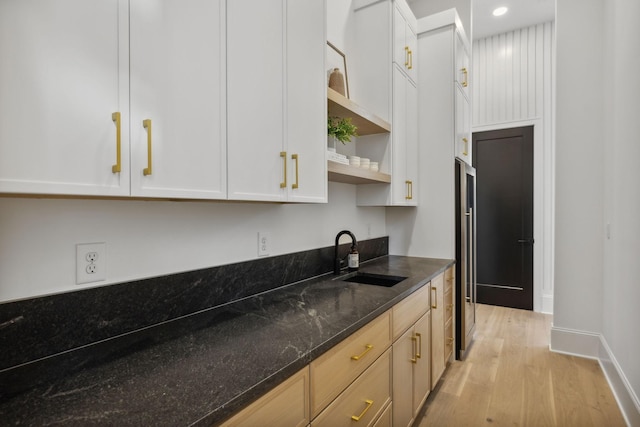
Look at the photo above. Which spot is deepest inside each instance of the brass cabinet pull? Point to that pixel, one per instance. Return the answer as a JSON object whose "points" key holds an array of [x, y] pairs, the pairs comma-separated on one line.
{"points": [[283, 154], [358, 357], [148, 170], [409, 195], [295, 157], [406, 56], [419, 353], [116, 119], [433, 288], [410, 60], [449, 340], [466, 146], [414, 349], [449, 307], [357, 417], [466, 77]]}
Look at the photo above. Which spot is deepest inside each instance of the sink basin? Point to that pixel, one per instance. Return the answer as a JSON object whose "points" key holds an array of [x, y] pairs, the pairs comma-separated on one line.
{"points": [[374, 279]]}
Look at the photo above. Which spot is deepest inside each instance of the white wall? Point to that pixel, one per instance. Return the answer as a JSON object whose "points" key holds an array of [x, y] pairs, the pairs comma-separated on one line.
{"points": [[596, 277], [146, 239], [621, 280], [512, 84]]}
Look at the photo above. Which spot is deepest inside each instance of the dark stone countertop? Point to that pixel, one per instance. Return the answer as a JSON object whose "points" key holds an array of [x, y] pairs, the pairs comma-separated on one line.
{"points": [[200, 369]]}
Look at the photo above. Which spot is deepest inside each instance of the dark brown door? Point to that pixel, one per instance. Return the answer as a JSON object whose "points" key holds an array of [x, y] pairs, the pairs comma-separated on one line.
{"points": [[504, 184]]}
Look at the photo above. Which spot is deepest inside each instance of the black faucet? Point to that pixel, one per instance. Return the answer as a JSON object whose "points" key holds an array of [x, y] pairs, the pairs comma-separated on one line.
{"points": [[354, 245]]}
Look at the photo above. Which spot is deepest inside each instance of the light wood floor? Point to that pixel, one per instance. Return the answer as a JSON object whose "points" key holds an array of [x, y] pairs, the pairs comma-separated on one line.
{"points": [[510, 378]]}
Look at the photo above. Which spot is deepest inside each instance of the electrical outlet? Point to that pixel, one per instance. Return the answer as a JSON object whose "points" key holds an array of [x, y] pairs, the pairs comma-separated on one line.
{"points": [[91, 262], [264, 244]]}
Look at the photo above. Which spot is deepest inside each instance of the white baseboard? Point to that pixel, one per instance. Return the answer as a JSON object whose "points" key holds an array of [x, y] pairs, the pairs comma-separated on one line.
{"points": [[594, 346], [627, 400], [547, 304], [575, 343]]}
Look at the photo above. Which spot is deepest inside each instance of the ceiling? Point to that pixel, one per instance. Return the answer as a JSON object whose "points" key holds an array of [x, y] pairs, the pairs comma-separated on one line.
{"points": [[521, 13]]}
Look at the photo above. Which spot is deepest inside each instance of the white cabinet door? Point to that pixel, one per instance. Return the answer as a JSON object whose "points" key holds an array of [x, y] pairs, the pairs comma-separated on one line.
{"points": [[255, 100], [463, 127], [63, 74], [405, 141], [405, 43], [276, 100], [177, 86], [462, 65], [306, 102]]}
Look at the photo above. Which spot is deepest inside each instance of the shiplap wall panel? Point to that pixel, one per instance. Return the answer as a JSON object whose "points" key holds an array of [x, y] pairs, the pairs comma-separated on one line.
{"points": [[512, 75]]}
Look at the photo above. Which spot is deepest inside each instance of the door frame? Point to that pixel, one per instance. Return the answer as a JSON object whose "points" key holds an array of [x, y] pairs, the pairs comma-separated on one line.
{"points": [[543, 203]]}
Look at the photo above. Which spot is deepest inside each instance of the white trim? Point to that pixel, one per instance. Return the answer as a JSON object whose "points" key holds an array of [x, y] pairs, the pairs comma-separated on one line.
{"points": [[574, 342], [623, 392], [542, 215], [594, 346]]}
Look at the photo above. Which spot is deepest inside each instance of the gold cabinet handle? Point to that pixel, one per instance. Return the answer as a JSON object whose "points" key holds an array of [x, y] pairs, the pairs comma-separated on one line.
{"points": [[449, 340], [466, 146], [466, 77], [146, 123], [116, 119], [433, 288], [358, 357], [410, 60], [406, 56], [357, 417], [449, 307], [419, 352], [414, 349], [295, 157], [409, 190], [283, 154]]}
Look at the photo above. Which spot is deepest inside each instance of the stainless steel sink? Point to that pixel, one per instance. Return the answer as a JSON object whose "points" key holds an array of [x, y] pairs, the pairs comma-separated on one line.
{"points": [[373, 279]]}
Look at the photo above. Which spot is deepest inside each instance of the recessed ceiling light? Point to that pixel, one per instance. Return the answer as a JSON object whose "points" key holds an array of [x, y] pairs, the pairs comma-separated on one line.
{"points": [[500, 11]]}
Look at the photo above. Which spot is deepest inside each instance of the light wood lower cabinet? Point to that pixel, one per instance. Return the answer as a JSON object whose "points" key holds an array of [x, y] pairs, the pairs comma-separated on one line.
{"points": [[364, 400], [437, 329], [411, 356], [287, 405], [449, 339], [336, 369], [411, 372]]}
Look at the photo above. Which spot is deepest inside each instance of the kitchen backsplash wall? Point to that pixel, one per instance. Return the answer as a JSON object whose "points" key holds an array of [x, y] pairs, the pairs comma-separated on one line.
{"points": [[154, 238]]}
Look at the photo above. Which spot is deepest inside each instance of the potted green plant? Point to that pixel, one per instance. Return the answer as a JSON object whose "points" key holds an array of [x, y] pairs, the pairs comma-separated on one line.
{"points": [[341, 129]]}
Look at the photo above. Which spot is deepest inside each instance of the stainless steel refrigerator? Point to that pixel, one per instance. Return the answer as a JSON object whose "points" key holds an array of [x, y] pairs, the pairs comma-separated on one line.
{"points": [[465, 184]]}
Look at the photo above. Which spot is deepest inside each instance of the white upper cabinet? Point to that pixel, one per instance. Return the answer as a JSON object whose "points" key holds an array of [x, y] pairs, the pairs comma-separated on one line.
{"points": [[276, 100], [386, 60], [178, 146], [405, 41], [63, 75], [462, 65]]}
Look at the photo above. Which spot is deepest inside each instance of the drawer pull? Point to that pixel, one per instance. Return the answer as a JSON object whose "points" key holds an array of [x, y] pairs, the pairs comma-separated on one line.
{"points": [[146, 123], [357, 417], [449, 340], [283, 154], [414, 349], [369, 347], [433, 288], [419, 353], [449, 307]]}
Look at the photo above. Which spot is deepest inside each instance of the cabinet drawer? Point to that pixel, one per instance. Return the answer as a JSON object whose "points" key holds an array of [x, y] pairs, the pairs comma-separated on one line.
{"points": [[448, 306], [410, 309], [449, 279], [366, 398], [286, 405], [448, 340], [385, 419], [335, 370]]}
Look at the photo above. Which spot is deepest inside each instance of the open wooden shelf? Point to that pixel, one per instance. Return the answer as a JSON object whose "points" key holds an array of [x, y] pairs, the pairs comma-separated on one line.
{"points": [[366, 122], [348, 174]]}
